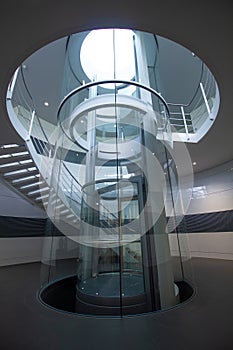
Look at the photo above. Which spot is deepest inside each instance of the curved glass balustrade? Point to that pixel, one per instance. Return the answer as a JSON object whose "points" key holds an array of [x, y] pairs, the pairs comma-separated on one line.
{"points": [[190, 122], [142, 102], [195, 118]]}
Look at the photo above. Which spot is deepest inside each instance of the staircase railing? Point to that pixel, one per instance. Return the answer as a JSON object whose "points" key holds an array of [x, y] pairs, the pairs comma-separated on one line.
{"points": [[190, 118], [25, 109]]}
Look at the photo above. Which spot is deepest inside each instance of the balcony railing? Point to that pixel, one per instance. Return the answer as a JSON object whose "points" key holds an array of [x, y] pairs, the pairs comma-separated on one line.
{"points": [[193, 120]]}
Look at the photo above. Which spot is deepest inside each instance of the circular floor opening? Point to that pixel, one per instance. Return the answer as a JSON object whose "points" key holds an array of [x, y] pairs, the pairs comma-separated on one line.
{"points": [[70, 295]]}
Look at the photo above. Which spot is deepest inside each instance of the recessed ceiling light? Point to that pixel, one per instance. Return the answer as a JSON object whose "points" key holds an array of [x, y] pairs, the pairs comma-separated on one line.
{"points": [[194, 163], [46, 104]]}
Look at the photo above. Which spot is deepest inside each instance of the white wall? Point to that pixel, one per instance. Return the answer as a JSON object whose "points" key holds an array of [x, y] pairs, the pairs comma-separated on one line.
{"points": [[217, 245], [218, 196], [212, 192], [20, 250]]}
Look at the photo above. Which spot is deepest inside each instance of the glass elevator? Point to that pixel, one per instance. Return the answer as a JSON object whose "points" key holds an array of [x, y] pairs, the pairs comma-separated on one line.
{"points": [[113, 179]]}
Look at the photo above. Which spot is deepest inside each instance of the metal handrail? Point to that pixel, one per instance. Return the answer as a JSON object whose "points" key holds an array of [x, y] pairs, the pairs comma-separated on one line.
{"points": [[64, 165], [33, 106], [77, 182], [203, 94], [26, 87], [112, 81], [203, 70], [195, 93]]}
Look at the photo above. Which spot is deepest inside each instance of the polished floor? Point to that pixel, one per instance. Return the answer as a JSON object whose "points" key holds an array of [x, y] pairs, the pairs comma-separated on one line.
{"points": [[204, 323]]}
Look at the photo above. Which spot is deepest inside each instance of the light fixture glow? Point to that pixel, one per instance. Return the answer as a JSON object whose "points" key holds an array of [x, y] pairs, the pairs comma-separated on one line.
{"points": [[108, 54]]}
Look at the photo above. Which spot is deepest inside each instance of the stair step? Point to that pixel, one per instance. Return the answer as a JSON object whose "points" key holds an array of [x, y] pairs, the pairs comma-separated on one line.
{"points": [[62, 205], [31, 185], [14, 166], [70, 216], [20, 176], [40, 198], [56, 201], [65, 211], [32, 182], [19, 158], [38, 190], [4, 150]]}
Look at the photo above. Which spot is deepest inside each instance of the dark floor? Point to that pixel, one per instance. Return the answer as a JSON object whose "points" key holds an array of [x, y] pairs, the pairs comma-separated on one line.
{"points": [[204, 323]]}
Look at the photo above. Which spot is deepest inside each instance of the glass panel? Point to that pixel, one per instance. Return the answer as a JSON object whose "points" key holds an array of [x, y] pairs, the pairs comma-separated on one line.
{"points": [[114, 185]]}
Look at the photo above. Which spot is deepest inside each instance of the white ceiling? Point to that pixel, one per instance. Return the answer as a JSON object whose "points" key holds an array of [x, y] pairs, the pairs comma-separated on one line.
{"points": [[204, 27]]}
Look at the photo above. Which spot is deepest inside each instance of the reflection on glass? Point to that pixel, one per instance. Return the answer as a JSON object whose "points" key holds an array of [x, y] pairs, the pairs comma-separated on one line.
{"points": [[112, 187]]}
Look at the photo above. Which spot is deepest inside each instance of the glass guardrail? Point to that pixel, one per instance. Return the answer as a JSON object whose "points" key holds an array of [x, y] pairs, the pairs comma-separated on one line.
{"points": [[190, 118], [120, 111]]}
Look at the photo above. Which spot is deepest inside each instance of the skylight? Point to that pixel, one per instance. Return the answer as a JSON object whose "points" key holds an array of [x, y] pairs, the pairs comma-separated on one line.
{"points": [[108, 54]]}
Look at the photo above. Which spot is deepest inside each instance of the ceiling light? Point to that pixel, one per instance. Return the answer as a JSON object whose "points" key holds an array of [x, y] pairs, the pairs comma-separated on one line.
{"points": [[108, 63], [194, 163], [46, 104]]}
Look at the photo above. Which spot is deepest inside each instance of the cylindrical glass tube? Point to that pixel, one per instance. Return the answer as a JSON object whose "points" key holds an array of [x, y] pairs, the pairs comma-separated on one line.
{"points": [[112, 185]]}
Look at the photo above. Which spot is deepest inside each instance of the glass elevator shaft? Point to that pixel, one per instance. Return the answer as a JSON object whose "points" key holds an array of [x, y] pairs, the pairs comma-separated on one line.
{"points": [[110, 168]]}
